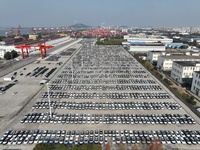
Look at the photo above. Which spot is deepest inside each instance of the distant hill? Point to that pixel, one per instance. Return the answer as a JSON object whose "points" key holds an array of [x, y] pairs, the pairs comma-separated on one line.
{"points": [[80, 26]]}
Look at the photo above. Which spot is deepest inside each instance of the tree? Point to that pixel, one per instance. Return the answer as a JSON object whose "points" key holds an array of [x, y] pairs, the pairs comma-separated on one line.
{"points": [[155, 144], [61, 147], [14, 54], [134, 147], [108, 146], [7, 55], [10, 55], [43, 146]]}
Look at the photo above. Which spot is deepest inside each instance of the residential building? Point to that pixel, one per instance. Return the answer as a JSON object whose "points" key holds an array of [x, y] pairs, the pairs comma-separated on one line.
{"points": [[182, 71], [195, 88], [165, 62]]}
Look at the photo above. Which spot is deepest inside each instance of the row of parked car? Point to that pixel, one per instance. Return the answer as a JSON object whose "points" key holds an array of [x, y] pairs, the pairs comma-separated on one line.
{"points": [[68, 52], [8, 86], [39, 71], [73, 137], [107, 105], [94, 95], [102, 75], [109, 70], [108, 118], [105, 87], [50, 72], [103, 81]]}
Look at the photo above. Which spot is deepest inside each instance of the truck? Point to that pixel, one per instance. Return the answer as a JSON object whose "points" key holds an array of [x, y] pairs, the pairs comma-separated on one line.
{"points": [[8, 78]]}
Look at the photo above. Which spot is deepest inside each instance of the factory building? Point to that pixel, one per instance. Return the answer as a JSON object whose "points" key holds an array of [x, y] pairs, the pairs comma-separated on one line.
{"points": [[182, 71], [147, 39], [145, 47], [177, 45], [195, 88], [165, 62], [33, 37]]}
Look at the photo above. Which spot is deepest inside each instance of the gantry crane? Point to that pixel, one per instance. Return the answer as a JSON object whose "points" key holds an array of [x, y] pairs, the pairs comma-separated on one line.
{"points": [[42, 48]]}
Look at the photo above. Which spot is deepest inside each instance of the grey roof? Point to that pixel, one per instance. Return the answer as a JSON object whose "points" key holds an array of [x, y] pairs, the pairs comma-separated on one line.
{"points": [[181, 57], [197, 72], [187, 63]]}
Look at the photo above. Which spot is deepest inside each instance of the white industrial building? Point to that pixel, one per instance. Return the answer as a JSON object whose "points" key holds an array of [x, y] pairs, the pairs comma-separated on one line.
{"points": [[143, 47], [152, 56], [195, 88], [182, 71], [147, 39], [2, 53], [165, 62]]}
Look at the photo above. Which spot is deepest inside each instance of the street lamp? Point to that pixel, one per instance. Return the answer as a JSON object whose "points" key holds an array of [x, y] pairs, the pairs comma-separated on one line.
{"points": [[72, 71], [12, 59], [49, 100]]}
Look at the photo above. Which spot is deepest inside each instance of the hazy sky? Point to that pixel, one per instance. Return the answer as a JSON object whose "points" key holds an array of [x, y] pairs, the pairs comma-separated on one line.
{"points": [[57, 13]]}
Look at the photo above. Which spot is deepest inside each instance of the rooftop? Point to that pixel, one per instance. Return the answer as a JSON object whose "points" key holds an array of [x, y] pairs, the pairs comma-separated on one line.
{"points": [[187, 63], [197, 72], [181, 57], [146, 44], [177, 44]]}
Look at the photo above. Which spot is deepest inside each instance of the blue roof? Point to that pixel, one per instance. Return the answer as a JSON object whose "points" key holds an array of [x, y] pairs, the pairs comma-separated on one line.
{"points": [[177, 44], [138, 43]]}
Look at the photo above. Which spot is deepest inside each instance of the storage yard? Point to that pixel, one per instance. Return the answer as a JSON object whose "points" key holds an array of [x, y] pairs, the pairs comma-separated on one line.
{"points": [[97, 94]]}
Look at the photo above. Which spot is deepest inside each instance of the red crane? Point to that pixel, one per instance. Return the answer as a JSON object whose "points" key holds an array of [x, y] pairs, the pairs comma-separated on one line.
{"points": [[42, 47], [22, 47]]}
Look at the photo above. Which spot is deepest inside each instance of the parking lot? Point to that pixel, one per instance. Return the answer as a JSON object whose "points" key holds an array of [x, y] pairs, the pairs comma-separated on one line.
{"points": [[99, 137], [97, 94]]}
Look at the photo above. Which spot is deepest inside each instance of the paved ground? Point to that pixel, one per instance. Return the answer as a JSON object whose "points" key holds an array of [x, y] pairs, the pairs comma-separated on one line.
{"points": [[29, 91]]}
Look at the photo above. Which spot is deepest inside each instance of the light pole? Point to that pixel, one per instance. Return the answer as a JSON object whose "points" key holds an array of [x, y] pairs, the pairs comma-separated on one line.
{"points": [[72, 72], [12, 59], [49, 100]]}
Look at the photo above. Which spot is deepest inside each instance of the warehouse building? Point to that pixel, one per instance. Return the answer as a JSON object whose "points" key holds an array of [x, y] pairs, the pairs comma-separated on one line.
{"points": [[182, 71], [145, 47], [147, 39]]}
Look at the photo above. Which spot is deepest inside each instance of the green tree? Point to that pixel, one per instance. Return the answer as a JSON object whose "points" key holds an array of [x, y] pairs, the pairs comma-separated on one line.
{"points": [[43, 146], [7, 55], [167, 81], [61, 147], [14, 54], [10, 55], [87, 147]]}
